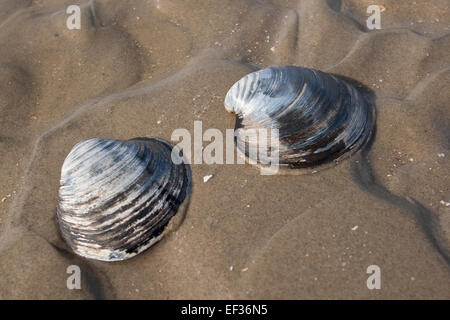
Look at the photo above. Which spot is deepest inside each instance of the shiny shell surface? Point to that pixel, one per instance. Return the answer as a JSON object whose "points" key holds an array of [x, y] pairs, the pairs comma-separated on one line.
{"points": [[117, 198], [318, 116]]}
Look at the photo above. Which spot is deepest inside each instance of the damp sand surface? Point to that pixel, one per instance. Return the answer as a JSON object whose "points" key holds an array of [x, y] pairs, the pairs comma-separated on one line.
{"points": [[145, 68]]}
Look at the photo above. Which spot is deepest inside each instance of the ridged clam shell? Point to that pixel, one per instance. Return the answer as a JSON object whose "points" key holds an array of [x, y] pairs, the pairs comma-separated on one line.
{"points": [[117, 198], [320, 117]]}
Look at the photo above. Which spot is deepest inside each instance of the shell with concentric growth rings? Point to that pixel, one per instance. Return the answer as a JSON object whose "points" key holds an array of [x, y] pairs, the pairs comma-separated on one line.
{"points": [[117, 198], [319, 117]]}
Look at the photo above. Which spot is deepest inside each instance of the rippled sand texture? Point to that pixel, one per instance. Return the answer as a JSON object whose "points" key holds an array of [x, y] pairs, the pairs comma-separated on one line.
{"points": [[145, 68]]}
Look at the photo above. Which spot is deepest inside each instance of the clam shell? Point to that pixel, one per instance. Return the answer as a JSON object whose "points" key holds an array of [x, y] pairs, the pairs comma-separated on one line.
{"points": [[117, 198], [319, 117]]}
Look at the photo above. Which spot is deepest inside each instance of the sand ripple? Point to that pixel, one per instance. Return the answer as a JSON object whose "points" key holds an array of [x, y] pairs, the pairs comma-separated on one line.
{"points": [[145, 68]]}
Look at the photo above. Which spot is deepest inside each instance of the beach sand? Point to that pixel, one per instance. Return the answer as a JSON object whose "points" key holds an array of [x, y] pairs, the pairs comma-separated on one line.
{"points": [[145, 68]]}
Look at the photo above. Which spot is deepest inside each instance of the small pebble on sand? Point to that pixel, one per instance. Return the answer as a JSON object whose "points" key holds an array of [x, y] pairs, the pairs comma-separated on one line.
{"points": [[206, 178], [445, 203]]}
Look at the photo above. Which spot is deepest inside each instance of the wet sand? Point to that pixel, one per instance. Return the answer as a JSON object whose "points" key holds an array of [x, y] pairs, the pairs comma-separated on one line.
{"points": [[146, 68]]}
